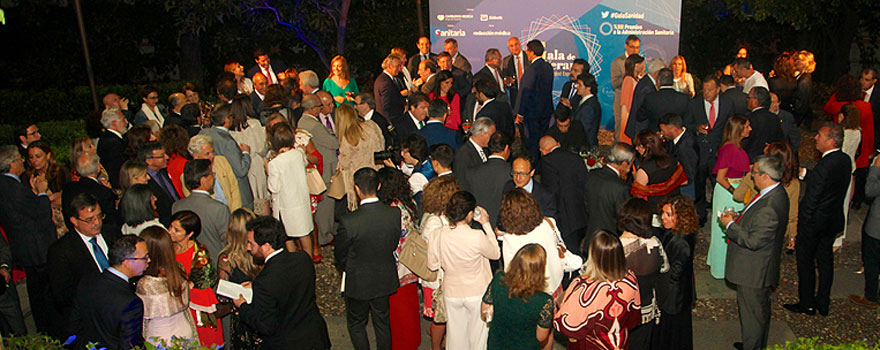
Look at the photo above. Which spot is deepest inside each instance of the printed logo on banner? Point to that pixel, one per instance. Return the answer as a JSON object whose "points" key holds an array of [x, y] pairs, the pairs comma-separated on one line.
{"points": [[441, 17], [450, 33], [604, 14]]}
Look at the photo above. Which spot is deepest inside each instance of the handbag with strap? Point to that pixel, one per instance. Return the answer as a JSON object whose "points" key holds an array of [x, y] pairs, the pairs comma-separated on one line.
{"points": [[570, 261], [414, 255], [337, 185], [315, 182]]}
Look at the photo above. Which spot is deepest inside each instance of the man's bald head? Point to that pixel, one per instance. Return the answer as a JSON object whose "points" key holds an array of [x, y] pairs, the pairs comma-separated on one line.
{"points": [[111, 100], [326, 101], [547, 144], [309, 102], [261, 84]]}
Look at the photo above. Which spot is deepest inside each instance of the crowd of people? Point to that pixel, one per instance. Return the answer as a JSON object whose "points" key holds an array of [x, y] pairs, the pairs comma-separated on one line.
{"points": [[458, 197]]}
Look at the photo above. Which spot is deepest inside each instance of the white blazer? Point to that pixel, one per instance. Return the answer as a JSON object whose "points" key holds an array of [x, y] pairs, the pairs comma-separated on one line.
{"points": [[290, 193]]}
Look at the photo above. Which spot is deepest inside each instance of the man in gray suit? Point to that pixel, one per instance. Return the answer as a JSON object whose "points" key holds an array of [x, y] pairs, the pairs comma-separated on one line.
{"points": [[213, 215], [633, 45], [238, 155], [327, 144], [755, 249]]}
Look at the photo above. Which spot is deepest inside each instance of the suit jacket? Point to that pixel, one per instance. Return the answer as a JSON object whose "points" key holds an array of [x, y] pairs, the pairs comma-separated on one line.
{"points": [[384, 124], [659, 103], [163, 201], [226, 146], [365, 244], [437, 133], [106, 311], [69, 261], [404, 126], [256, 101], [766, 128], [462, 83], [687, 153], [413, 64], [467, 158], [27, 220], [566, 92], [389, 101], [644, 87], [326, 143], [485, 73], [283, 311], [821, 208], [277, 65], [740, 100], [875, 109], [565, 176], [214, 217], [546, 200], [106, 199], [589, 114], [428, 86], [462, 63], [111, 149], [872, 190], [228, 183], [604, 194], [790, 129], [509, 68], [755, 248], [500, 113], [535, 99], [573, 140], [698, 114], [487, 182]]}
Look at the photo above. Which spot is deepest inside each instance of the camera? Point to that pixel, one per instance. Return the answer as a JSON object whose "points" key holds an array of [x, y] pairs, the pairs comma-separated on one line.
{"points": [[392, 153]]}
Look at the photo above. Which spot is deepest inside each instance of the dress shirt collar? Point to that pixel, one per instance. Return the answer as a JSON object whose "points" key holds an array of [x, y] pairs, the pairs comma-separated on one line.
{"points": [[496, 157], [222, 128], [487, 102], [613, 169], [261, 96], [433, 121], [369, 200], [534, 59], [768, 189], [113, 131], [202, 192], [270, 256], [444, 173], [388, 74], [13, 176], [118, 273], [675, 140], [868, 93], [529, 186], [415, 121], [369, 115], [829, 151], [653, 81], [478, 147]]}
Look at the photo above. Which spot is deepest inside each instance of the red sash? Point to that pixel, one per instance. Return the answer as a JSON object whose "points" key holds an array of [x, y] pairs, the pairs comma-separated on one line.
{"points": [[660, 189]]}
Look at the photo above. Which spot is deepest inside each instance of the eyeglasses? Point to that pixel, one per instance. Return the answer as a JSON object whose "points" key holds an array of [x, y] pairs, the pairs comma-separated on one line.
{"points": [[146, 257], [756, 172], [93, 219], [153, 97], [515, 173]]}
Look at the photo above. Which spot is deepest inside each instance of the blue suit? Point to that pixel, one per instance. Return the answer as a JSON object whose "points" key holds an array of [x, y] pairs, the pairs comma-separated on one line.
{"points": [[436, 133], [535, 102]]}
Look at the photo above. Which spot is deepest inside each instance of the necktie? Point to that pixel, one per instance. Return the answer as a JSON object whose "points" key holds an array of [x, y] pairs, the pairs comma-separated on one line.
{"points": [[421, 124], [328, 123], [519, 69], [268, 76], [165, 182], [498, 79], [754, 199], [711, 114], [571, 93], [482, 154], [99, 254]]}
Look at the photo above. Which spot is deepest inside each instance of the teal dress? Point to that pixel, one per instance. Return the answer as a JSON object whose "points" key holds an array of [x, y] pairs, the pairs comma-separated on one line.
{"points": [[514, 319], [736, 161], [335, 90]]}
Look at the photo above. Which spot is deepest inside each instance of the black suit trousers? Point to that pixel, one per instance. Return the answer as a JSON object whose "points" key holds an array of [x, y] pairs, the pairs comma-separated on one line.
{"points": [[703, 176], [37, 281], [814, 252], [871, 260], [754, 316], [11, 318], [356, 312]]}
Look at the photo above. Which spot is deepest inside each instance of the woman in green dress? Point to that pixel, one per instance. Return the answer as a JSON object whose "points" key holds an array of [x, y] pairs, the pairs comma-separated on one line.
{"points": [[519, 313], [339, 83]]}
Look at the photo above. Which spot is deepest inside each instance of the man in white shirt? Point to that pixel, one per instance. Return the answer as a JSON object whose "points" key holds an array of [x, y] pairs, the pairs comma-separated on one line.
{"points": [[742, 69], [328, 107]]}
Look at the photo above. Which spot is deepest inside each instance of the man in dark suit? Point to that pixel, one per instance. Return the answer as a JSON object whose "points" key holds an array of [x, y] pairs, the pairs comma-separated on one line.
{"points": [[534, 104], [214, 215], [365, 246], [435, 132], [415, 117], [487, 180], [740, 99], [105, 309], [570, 135], [265, 66], [261, 85], [681, 144], [586, 110], [606, 191], [450, 46], [766, 126], [80, 253], [868, 80], [492, 70], [661, 102], [111, 145], [707, 115], [565, 175], [10, 308], [283, 310], [569, 92], [26, 217], [24, 135], [160, 184], [427, 76], [424, 45], [515, 64], [462, 80], [820, 219], [87, 167], [472, 152], [487, 94], [366, 108], [522, 172], [755, 251], [387, 88], [644, 87]]}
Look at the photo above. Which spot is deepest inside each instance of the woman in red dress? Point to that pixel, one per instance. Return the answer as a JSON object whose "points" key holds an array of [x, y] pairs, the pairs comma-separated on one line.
{"points": [[175, 140], [443, 90], [849, 90]]}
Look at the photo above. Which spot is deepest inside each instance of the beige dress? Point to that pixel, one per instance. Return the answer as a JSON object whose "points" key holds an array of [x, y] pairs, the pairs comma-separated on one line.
{"points": [[255, 137], [164, 315], [352, 158]]}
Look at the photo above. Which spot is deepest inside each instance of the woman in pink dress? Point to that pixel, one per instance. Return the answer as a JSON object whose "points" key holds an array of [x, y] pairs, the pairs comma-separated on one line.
{"points": [[635, 68], [443, 90]]}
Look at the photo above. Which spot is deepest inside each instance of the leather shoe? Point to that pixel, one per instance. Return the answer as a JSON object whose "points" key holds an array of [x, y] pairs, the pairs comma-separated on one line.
{"points": [[861, 300], [798, 309], [738, 345]]}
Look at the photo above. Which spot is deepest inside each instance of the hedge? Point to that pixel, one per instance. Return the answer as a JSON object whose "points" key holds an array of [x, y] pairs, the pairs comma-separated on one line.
{"points": [[814, 344]]}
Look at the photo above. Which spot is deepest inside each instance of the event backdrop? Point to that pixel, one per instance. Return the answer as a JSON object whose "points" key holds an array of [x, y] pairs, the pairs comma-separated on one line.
{"points": [[592, 29]]}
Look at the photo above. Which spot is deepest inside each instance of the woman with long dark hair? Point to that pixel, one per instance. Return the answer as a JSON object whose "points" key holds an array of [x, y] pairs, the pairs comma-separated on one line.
{"points": [[246, 129], [675, 288], [443, 90], [659, 174], [174, 140], [42, 164], [137, 207], [634, 68]]}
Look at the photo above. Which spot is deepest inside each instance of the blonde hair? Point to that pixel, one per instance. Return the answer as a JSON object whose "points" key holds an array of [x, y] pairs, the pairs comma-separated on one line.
{"points": [[348, 124], [606, 262], [684, 65], [131, 169], [236, 251], [525, 273], [809, 61], [345, 73]]}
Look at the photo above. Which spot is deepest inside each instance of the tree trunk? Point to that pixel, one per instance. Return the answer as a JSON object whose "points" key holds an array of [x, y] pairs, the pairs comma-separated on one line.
{"points": [[191, 58], [340, 28], [832, 45]]}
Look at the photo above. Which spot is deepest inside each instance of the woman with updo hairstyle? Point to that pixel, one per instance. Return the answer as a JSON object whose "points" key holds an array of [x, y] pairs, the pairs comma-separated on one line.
{"points": [[604, 284], [174, 140], [805, 65], [849, 91], [164, 290], [675, 288], [647, 260], [435, 195], [289, 190], [515, 303], [137, 207], [659, 174], [244, 84], [80, 145], [634, 70], [464, 253], [523, 223]]}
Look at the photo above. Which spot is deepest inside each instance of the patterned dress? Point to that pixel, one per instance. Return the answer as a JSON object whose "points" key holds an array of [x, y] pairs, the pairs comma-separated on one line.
{"points": [[202, 272], [599, 315]]}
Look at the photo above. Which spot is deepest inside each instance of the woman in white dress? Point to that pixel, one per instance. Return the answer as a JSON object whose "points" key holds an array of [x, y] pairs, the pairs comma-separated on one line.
{"points": [[287, 184], [247, 130], [164, 290], [684, 82], [137, 207], [849, 118]]}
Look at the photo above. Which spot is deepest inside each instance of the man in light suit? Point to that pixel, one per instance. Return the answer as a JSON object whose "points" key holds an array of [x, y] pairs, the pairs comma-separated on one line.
{"points": [[424, 45], [111, 145], [820, 219], [388, 88], [327, 144], [755, 251], [632, 46], [472, 152], [450, 45], [427, 80], [534, 104], [365, 252], [515, 64], [213, 215], [645, 86], [225, 183], [238, 155]]}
